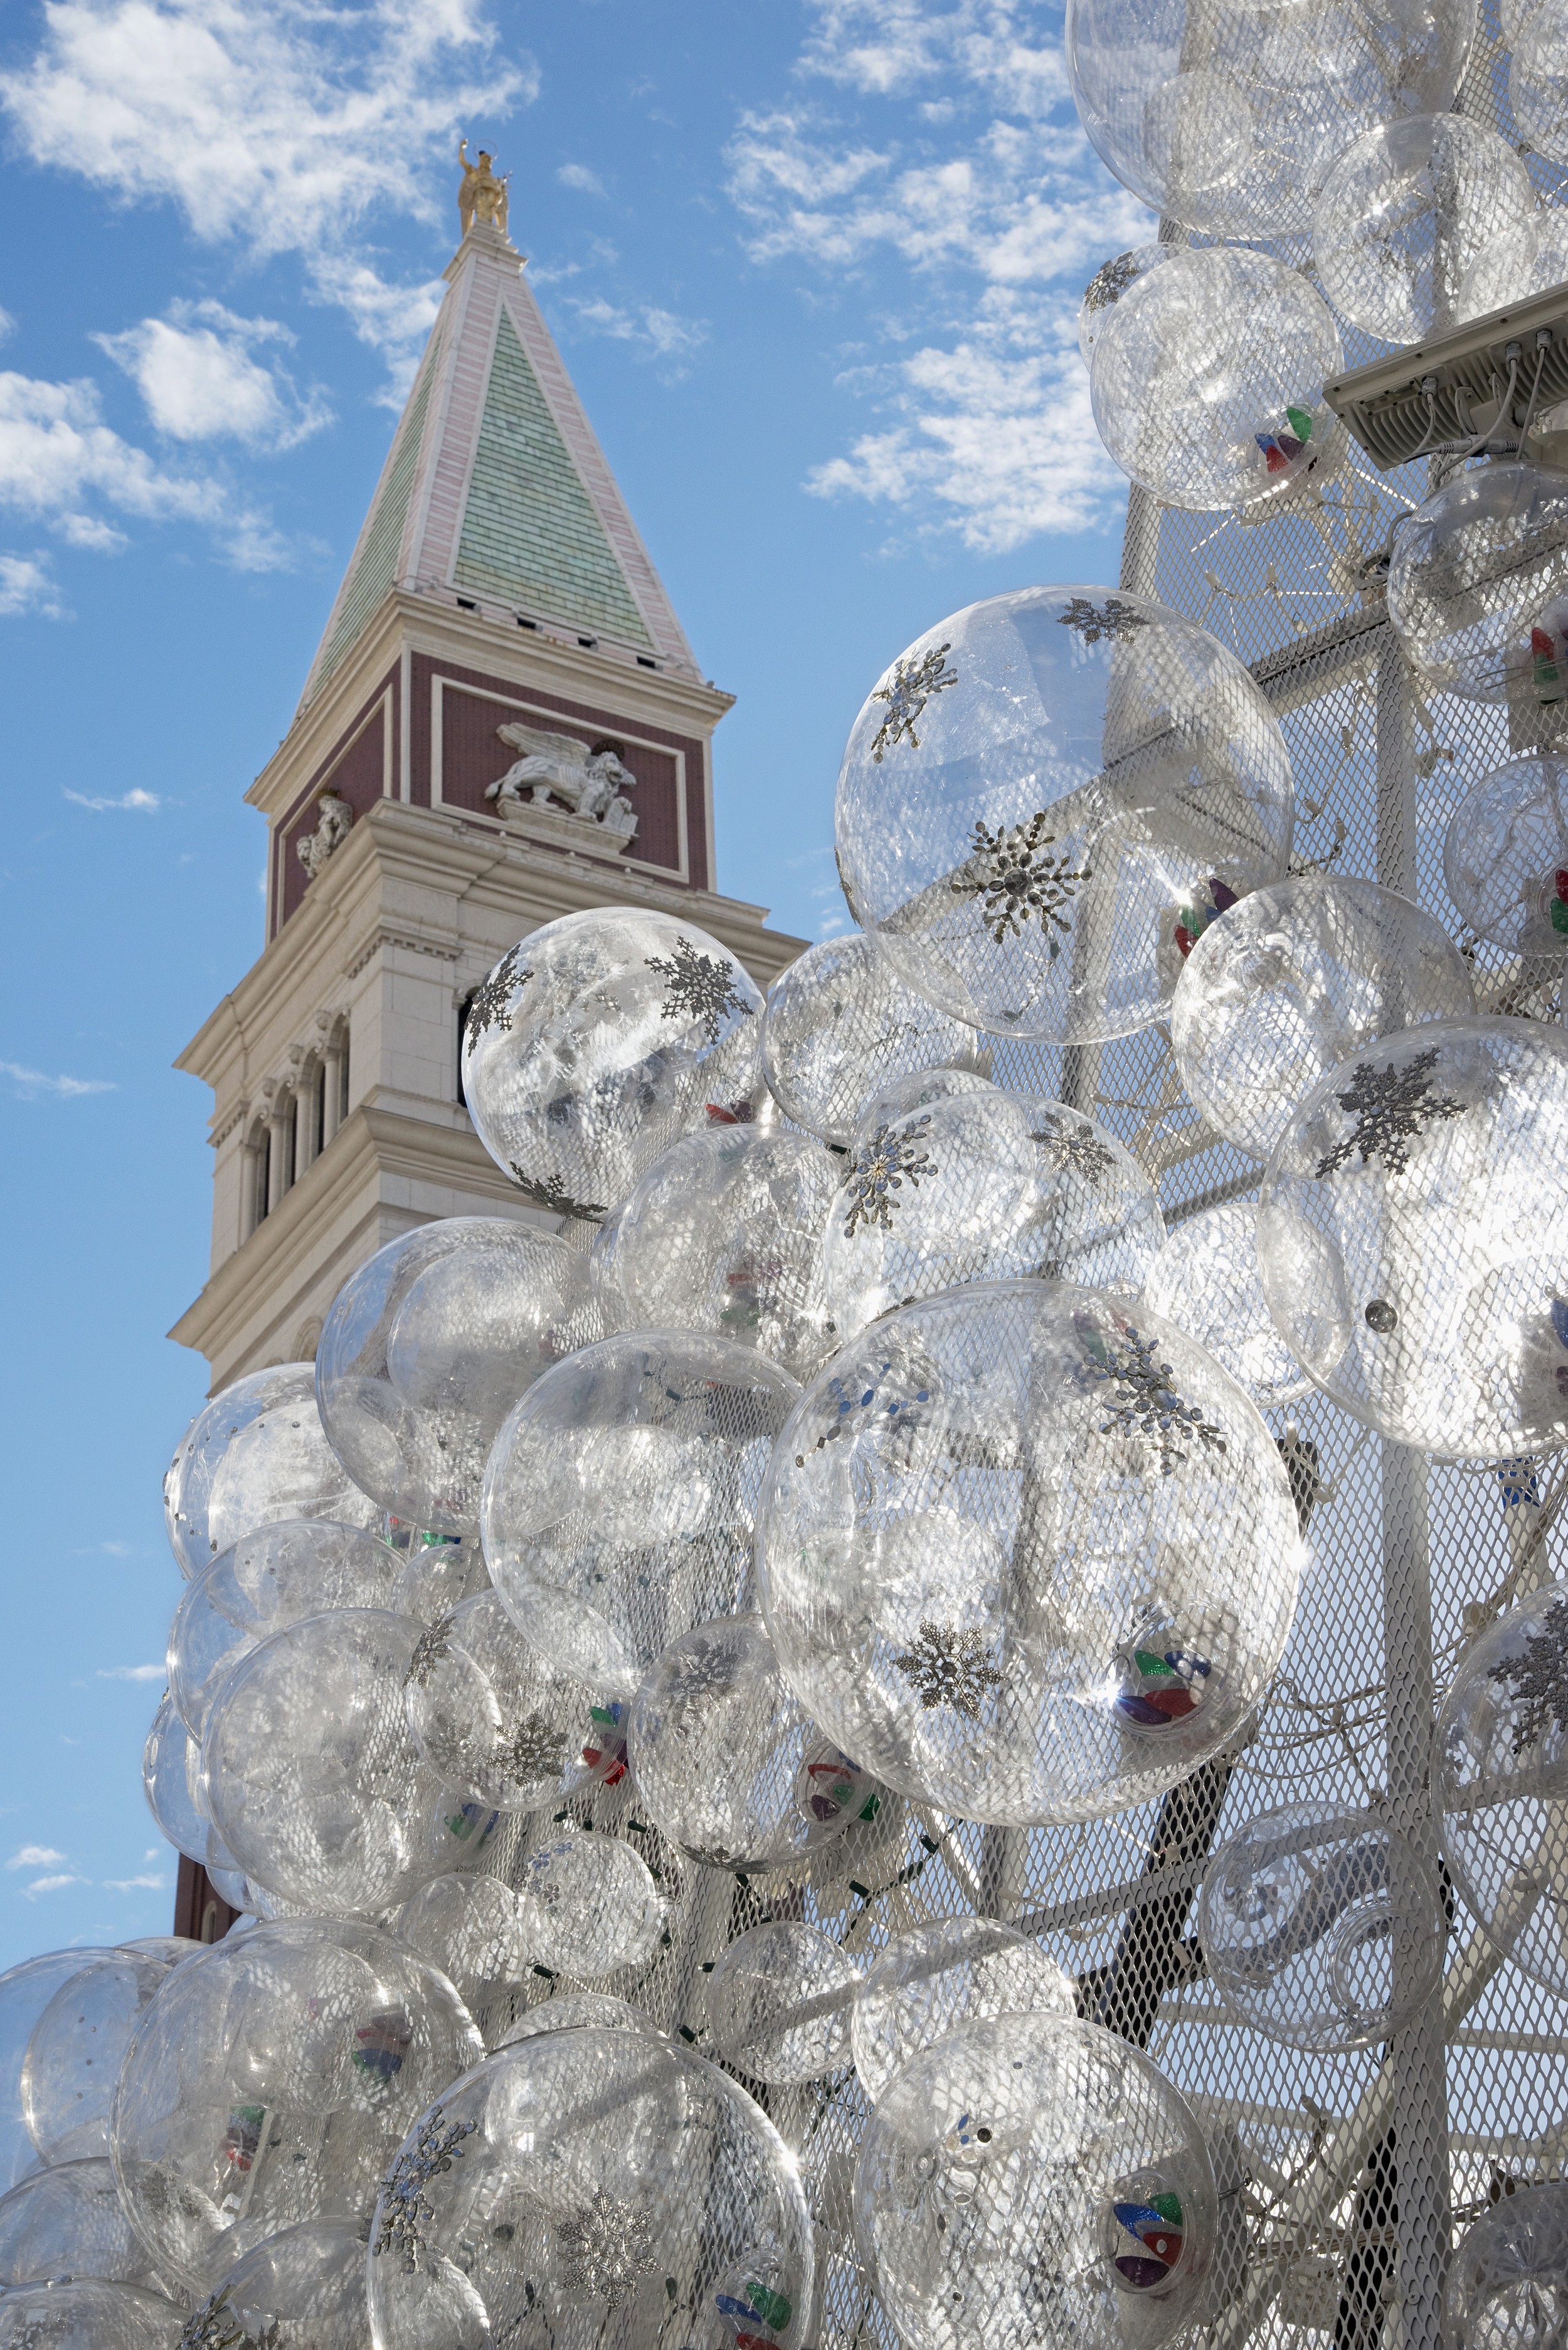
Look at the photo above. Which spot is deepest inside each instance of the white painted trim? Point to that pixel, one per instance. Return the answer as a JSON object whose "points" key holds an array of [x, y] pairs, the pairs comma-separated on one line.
{"points": [[555, 721], [476, 425]]}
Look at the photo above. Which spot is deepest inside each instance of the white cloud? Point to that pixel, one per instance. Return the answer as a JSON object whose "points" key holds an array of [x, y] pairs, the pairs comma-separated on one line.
{"points": [[578, 175], [277, 124], [148, 802], [28, 1083], [25, 586], [137, 1884], [51, 1884], [898, 48], [654, 334], [35, 1855], [132, 1672], [199, 376]]}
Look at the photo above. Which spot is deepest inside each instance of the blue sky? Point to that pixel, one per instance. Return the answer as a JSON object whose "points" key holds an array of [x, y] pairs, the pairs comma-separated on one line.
{"points": [[815, 266]]}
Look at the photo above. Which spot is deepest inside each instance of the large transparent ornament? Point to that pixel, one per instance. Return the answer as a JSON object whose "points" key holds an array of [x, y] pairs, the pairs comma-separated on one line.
{"points": [[1538, 84], [1505, 855], [1475, 579], [641, 2196], [1227, 117], [1034, 2180], [1500, 1784], [304, 2289], [1034, 790], [296, 1567], [429, 1343], [73, 2055], [597, 1040], [931, 1977], [1207, 380], [590, 1906], [1028, 1554], [309, 1772], [779, 2002], [1405, 211], [1507, 2278], [473, 1928], [987, 1186], [839, 1023], [171, 1782], [272, 2081], [722, 1752], [1296, 978], [255, 1453], [84, 2313], [1206, 1280], [1413, 1237], [69, 2220], [1109, 283], [26, 1992], [1530, 257], [620, 1498], [1323, 1927], [569, 2010], [721, 1235], [493, 1719]]}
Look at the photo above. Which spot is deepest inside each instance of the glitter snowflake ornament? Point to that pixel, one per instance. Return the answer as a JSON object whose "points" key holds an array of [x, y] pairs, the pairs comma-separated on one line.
{"points": [[1094, 758], [621, 2180], [1028, 1554], [302, 2288], [1501, 1749], [632, 1028], [1413, 1237], [496, 1723], [88, 2314]]}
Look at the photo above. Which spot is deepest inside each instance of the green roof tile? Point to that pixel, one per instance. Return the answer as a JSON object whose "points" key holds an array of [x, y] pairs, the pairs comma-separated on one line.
{"points": [[374, 565]]}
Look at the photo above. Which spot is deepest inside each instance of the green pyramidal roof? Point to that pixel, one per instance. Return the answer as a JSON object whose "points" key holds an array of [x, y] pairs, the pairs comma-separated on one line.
{"points": [[530, 534]]}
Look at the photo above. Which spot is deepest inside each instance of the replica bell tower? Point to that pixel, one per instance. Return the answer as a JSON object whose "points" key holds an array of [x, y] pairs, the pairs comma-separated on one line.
{"points": [[503, 722]]}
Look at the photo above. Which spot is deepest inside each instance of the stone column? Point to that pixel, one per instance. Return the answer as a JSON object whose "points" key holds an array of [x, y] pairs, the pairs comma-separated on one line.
{"points": [[332, 1081], [279, 1172]]}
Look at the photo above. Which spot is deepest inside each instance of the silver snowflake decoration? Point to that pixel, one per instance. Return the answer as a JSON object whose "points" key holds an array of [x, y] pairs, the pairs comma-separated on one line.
{"points": [[886, 1163], [1538, 1679], [1079, 1148], [1391, 1106], [1092, 622], [535, 1749], [404, 2201], [213, 2326], [1143, 1401], [911, 687], [432, 1645], [549, 1192], [1109, 283], [1014, 878], [489, 1006], [948, 1667], [696, 987], [609, 2246]]}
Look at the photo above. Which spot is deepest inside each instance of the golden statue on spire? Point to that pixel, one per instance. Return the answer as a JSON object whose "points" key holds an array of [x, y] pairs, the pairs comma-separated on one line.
{"points": [[481, 196]]}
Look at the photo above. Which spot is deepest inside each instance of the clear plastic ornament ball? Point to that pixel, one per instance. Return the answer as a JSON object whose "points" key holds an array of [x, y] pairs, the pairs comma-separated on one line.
{"points": [[645, 2196], [722, 1752], [292, 1568], [26, 1992], [171, 1782], [308, 1769], [1507, 2276], [303, 2289], [597, 1040], [931, 1977], [428, 1346], [620, 1499], [1323, 1927], [721, 1235], [86, 2313], [1477, 587], [494, 1720], [1405, 211], [69, 2220], [1505, 855], [1228, 120], [1109, 283], [1028, 1553], [255, 1453], [1206, 1280], [569, 2011], [439, 1570], [1035, 789], [75, 2049], [1296, 978], [1538, 84], [986, 1186], [779, 2002], [472, 1928], [1501, 1747], [1529, 258], [589, 1904], [1207, 380], [903, 1097], [1030, 2179], [1413, 1237], [272, 2081], [839, 1023]]}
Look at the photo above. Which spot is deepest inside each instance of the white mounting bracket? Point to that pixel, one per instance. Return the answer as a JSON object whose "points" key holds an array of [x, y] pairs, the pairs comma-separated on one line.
{"points": [[1450, 387]]}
